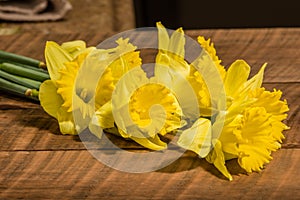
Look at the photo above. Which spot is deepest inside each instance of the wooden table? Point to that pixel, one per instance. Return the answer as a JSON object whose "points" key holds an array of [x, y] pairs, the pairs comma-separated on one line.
{"points": [[37, 162]]}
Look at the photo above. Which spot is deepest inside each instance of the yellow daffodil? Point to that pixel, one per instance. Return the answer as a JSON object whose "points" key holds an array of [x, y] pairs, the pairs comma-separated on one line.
{"points": [[65, 62], [253, 126], [140, 105], [144, 108], [171, 54], [62, 63], [116, 62]]}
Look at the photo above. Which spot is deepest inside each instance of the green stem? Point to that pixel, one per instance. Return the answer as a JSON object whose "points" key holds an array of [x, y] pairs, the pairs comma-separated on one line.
{"points": [[24, 72], [25, 66], [18, 89], [20, 80], [21, 59]]}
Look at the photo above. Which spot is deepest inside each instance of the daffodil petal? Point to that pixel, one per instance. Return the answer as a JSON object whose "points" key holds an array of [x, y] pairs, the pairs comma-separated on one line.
{"points": [[49, 99], [104, 116], [237, 74], [212, 78], [171, 50], [132, 80], [55, 58], [177, 42], [66, 122], [254, 157], [255, 82], [270, 101], [152, 143], [73, 46], [180, 87], [217, 158], [197, 138], [163, 37], [208, 46]]}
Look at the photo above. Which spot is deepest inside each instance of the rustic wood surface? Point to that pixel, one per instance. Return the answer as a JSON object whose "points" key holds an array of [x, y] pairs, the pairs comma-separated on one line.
{"points": [[37, 162]]}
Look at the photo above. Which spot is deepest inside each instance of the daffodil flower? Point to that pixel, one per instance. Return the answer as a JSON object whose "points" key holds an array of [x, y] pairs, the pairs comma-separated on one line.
{"points": [[252, 119], [55, 95], [142, 118], [253, 126], [64, 63], [113, 63]]}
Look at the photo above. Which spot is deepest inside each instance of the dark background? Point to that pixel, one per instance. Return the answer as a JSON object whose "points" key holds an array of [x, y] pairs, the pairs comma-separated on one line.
{"points": [[197, 14]]}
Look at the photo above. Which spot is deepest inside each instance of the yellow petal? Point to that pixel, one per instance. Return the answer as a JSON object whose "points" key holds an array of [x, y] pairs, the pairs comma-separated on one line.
{"points": [[269, 100], [73, 46], [151, 143], [121, 97], [217, 158], [255, 82], [177, 43], [254, 157], [49, 99], [55, 58], [197, 138], [67, 81], [171, 50], [210, 49], [236, 76], [180, 87], [201, 91], [66, 122], [163, 37], [104, 116], [212, 80]]}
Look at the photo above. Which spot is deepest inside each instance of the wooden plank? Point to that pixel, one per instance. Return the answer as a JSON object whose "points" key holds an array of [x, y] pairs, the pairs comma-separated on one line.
{"points": [[76, 174], [25, 126], [279, 47], [33, 44]]}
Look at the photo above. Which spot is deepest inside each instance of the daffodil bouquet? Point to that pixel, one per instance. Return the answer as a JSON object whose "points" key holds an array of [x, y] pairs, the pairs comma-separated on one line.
{"points": [[244, 122]]}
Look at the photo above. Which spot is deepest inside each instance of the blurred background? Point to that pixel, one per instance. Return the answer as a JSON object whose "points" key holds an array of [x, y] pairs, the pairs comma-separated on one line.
{"points": [[67, 16], [197, 14]]}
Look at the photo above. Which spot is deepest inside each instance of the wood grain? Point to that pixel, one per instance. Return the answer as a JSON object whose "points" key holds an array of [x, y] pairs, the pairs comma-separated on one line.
{"points": [[76, 174], [279, 47]]}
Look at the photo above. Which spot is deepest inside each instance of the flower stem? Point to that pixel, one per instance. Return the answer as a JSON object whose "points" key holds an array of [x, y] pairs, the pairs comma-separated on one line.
{"points": [[25, 66], [18, 89], [11, 57], [24, 72], [20, 80]]}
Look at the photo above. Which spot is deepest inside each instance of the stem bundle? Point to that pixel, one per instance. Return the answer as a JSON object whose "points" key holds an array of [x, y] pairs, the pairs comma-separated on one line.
{"points": [[21, 75]]}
